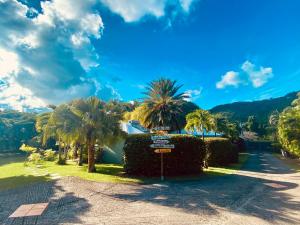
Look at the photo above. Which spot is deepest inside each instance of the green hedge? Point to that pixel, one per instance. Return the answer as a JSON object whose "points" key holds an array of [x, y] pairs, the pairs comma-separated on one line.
{"points": [[187, 157], [221, 152]]}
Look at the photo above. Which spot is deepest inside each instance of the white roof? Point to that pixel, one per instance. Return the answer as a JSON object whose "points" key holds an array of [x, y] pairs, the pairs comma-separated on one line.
{"points": [[130, 129]]}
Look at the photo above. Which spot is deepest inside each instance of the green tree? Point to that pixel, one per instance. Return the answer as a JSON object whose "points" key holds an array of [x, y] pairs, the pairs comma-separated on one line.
{"points": [[289, 128], [97, 125], [220, 123], [199, 120], [163, 104]]}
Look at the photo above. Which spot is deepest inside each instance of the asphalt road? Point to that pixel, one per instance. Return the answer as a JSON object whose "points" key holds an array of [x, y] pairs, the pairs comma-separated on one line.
{"points": [[264, 191]]}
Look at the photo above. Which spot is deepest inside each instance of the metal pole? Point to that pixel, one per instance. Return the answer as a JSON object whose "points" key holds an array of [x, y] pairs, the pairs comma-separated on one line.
{"points": [[162, 166]]}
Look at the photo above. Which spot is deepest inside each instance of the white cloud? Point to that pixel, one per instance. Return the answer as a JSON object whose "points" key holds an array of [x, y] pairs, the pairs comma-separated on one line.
{"points": [[45, 59], [193, 94], [258, 77], [134, 10], [249, 73], [231, 78]]}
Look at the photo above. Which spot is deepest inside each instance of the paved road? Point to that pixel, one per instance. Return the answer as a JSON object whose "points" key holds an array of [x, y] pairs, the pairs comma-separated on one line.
{"points": [[265, 191]]}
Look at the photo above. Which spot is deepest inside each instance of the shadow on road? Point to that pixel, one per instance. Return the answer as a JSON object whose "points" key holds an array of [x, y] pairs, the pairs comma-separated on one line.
{"points": [[241, 194], [64, 206]]}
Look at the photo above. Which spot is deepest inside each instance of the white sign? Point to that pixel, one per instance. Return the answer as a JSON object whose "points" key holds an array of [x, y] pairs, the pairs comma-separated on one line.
{"points": [[162, 146], [162, 128], [161, 141], [160, 137]]}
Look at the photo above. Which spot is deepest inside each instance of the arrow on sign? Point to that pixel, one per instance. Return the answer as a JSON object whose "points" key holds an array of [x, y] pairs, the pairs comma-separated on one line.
{"points": [[161, 141], [162, 137], [165, 150], [162, 146]]}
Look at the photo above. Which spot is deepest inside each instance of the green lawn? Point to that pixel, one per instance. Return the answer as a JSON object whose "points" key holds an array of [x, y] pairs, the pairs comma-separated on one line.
{"points": [[14, 173]]}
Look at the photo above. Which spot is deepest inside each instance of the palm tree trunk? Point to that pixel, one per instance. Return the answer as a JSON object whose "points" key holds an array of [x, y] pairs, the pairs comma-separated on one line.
{"points": [[80, 156], [91, 157]]}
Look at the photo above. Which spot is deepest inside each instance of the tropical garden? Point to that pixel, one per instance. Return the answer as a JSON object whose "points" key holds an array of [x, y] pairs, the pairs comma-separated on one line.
{"points": [[76, 133]]}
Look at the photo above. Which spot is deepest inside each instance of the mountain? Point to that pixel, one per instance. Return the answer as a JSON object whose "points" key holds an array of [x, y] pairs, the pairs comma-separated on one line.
{"points": [[15, 129], [260, 109]]}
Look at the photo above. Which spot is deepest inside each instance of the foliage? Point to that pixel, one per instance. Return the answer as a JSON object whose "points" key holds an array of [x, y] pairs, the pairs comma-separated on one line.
{"points": [[220, 123], [16, 128], [220, 152], [200, 120], [187, 157], [240, 111], [27, 148], [289, 128], [83, 123], [163, 104], [35, 158], [49, 155]]}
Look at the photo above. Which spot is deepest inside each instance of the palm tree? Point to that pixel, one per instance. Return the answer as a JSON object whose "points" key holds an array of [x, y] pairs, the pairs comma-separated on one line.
{"points": [[199, 120], [97, 125], [220, 124], [64, 126], [163, 104]]}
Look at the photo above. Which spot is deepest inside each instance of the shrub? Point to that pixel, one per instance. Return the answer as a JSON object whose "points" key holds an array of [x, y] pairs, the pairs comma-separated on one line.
{"points": [[220, 152], [35, 158], [187, 157], [49, 155], [241, 145], [27, 148]]}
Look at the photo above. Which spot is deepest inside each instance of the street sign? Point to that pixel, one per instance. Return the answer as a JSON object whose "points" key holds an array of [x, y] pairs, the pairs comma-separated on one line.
{"points": [[160, 137], [163, 150], [162, 146], [162, 142], [162, 128]]}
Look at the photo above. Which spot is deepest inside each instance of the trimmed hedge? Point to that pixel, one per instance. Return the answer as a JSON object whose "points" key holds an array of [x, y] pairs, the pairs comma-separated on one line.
{"points": [[187, 157], [221, 152]]}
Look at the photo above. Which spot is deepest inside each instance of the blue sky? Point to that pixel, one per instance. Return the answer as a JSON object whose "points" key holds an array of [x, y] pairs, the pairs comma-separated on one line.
{"points": [[221, 51]]}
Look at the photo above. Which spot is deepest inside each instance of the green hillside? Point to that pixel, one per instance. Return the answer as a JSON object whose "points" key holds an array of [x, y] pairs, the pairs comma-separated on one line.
{"points": [[15, 128], [260, 109]]}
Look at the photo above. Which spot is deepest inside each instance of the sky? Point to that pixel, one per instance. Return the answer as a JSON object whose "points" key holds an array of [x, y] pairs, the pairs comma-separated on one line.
{"points": [[220, 51]]}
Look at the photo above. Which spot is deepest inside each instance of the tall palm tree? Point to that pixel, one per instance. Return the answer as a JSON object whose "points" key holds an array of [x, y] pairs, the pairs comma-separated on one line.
{"points": [[220, 124], [163, 104], [64, 126], [97, 125], [199, 120]]}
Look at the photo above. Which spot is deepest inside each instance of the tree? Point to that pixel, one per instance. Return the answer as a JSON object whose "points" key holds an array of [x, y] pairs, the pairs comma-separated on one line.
{"points": [[97, 125], [252, 124], [163, 104], [220, 123], [199, 120], [273, 123], [289, 128]]}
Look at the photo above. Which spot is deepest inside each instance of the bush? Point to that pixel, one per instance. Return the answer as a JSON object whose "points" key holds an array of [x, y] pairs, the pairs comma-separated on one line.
{"points": [[241, 145], [35, 158], [49, 155], [27, 148], [220, 152], [187, 157]]}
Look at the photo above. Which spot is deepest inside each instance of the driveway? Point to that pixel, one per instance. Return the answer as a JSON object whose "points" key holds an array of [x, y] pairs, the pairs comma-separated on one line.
{"points": [[264, 191]]}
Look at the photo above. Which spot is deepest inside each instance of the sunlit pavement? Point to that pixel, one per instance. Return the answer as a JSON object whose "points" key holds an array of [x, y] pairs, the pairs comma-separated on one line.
{"points": [[264, 191]]}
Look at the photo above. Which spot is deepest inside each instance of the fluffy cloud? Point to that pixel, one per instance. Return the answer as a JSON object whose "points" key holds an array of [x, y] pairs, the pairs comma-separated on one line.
{"points": [[46, 55], [231, 78], [134, 10], [258, 77], [249, 73], [46, 58], [193, 94]]}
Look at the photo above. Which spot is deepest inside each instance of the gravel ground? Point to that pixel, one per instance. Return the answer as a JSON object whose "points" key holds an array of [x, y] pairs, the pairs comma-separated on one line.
{"points": [[264, 191]]}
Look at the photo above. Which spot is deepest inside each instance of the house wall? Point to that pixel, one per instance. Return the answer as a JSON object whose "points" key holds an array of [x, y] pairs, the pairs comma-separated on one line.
{"points": [[113, 153]]}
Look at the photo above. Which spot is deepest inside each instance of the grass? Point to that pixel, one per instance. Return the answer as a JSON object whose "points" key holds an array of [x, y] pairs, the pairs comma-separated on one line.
{"points": [[292, 163], [231, 169], [14, 173]]}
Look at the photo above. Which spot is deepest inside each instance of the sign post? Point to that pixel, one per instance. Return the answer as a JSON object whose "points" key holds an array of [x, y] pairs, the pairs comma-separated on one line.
{"points": [[161, 145]]}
